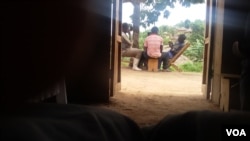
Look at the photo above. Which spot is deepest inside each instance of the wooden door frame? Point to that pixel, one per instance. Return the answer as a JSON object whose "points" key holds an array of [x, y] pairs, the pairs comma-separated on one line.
{"points": [[207, 50], [217, 57], [212, 54], [115, 66], [213, 50]]}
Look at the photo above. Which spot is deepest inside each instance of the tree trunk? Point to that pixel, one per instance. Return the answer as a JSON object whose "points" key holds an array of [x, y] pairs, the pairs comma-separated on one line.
{"points": [[136, 23]]}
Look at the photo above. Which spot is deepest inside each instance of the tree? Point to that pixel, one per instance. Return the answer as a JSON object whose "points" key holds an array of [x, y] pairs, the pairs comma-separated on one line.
{"points": [[146, 12], [198, 28], [196, 38]]}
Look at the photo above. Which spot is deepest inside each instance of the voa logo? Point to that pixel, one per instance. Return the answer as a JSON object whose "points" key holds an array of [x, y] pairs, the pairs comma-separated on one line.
{"points": [[236, 132]]}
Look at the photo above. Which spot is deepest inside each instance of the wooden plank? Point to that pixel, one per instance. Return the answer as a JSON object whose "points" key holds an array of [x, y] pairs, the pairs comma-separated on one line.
{"points": [[116, 71], [225, 94], [216, 84], [207, 39], [207, 62], [226, 75], [206, 52], [176, 67], [119, 39], [209, 73]]}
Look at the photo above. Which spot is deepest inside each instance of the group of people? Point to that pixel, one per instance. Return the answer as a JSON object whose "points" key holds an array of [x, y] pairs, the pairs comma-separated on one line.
{"points": [[153, 48]]}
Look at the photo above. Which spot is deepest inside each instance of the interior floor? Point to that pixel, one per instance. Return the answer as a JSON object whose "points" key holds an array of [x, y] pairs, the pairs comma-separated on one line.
{"points": [[147, 97]]}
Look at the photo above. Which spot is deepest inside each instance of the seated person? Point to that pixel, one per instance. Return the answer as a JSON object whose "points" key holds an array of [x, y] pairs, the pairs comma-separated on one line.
{"points": [[153, 46], [177, 46], [127, 50]]}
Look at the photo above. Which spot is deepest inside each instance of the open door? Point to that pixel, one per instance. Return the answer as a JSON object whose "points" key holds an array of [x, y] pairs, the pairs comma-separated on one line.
{"points": [[115, 66]]}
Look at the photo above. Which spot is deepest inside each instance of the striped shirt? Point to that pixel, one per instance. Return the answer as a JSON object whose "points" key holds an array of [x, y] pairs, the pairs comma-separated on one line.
{"points": [[153, 44]]}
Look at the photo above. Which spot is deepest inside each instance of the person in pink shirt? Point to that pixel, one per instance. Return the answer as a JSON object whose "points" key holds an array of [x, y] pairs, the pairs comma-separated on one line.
{"points": [[153, 46]]}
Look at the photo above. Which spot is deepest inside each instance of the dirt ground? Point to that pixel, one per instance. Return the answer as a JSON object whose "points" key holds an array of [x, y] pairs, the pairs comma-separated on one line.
{"points": [[147, 97]]}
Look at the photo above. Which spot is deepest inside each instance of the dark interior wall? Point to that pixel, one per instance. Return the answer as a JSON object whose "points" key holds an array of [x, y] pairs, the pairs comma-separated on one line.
{"points": [[91, 85], [234, 16], [43, 40]]}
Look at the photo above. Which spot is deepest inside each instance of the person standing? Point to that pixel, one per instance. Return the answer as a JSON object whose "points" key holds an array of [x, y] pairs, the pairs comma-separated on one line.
{"points": [[127, 49]]}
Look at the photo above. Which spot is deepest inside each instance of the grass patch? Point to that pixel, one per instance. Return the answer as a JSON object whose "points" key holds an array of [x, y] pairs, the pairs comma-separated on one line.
{"points": [[192, 67], [125, 61], [124, 64]]}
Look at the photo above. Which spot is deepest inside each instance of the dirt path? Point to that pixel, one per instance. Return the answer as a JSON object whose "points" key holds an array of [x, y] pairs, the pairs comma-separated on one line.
{"points": [[147, 97]]}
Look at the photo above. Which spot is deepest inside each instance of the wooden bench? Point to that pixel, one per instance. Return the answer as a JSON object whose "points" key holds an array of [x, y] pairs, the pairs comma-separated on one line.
{"points": [[172, 60]]}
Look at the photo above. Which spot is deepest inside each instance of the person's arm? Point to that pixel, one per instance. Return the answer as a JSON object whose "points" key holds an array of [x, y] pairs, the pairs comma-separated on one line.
{"points": [[145, 45], [126, 39], [145, 48], [174, 49], [129, 36], [161, 46], [178, 47]]}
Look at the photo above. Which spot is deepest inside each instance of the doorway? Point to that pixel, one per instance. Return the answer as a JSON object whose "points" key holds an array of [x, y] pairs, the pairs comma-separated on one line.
{"points": [[173, 93]]}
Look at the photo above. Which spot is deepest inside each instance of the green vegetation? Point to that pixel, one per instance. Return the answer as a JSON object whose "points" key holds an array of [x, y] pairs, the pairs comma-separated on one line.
{"points": [[142, 37], [192, 67]]}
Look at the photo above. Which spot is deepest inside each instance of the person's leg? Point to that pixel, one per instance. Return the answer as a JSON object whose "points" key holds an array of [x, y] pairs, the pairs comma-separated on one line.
{"points": [[165, 57], [142, 61], [133, 52], [145, 56], [160, 60], [136, 54], [169, 55]]}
